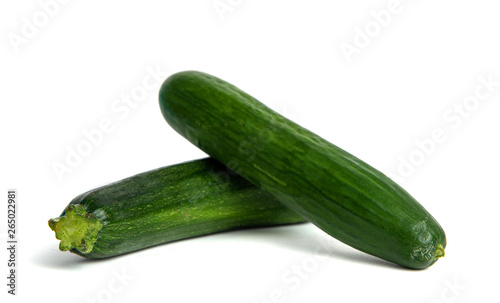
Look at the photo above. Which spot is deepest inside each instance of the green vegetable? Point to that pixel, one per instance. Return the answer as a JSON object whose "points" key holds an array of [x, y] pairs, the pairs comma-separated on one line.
{"points": [[339, 193], [166, 204]]}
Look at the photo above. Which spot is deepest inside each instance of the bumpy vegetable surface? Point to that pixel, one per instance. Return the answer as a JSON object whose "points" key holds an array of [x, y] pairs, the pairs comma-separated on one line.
{"points": [[166, 204], [339, 193]]}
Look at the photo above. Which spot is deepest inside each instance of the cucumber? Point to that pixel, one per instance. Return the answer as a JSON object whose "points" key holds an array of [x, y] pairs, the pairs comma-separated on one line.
{"points": [[339, 193], [171, 203]]}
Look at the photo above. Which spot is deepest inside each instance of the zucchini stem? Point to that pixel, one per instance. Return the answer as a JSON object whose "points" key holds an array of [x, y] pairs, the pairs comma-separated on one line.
{"points": [[439, 252], [77, 229]]}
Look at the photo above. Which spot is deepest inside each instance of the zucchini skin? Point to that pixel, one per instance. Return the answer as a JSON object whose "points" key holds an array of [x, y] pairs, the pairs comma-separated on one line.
{"points": [[167, 204], [339, 193]]}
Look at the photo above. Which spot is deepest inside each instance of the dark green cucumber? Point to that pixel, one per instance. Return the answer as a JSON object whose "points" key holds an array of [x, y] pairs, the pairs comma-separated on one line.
{"points": [[171, 203], [339, 193]]}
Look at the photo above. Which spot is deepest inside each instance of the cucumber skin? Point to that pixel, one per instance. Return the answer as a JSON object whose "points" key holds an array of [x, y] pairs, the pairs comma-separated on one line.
{"points": [[176, 202], [342, 195]]}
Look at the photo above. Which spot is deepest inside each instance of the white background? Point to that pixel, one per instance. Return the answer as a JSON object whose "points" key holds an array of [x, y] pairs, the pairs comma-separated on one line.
{"points": [[66, 67]]}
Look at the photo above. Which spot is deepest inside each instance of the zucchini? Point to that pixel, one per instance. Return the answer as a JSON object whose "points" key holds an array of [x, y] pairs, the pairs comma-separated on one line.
{"points": [[171, 203], [344, 196]]}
